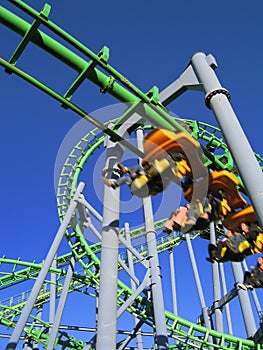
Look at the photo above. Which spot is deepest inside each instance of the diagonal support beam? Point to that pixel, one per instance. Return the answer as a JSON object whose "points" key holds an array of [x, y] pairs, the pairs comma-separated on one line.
{"points": [[14, 339]]}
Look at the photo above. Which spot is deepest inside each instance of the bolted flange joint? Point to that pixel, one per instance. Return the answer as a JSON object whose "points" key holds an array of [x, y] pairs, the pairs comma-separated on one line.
{"points": [[212, 93]]}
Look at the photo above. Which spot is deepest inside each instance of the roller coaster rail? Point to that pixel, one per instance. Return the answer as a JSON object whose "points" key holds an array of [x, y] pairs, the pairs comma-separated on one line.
{"points": [[23, 312]]}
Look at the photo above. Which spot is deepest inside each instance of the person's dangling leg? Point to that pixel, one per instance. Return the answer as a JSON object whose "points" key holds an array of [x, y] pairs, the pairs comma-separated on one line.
{"points": [[168, 225], [125, 179], [176, 220], [179, 218]]}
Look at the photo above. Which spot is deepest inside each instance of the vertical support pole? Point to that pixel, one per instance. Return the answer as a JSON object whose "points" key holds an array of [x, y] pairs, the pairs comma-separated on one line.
{"points": [[172, 276], [39, 315], [97, 303], [198, 282], [156, 286], [227, 308], [107, 302], [244, 301], [133, 285], [217, 99], [173, 284], [53, 292], [255, 297], [61, 305], [216, 285], [12, 344]]}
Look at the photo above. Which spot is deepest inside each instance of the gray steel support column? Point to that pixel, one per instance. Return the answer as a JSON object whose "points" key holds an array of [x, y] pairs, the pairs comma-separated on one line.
{"points": [[61, 305], [217, 99], [97, 289], [156, 285], [107, 302], [255, 297], [12, 344], [133, 285], [216, 285], [198, 282], [53, 291], [173, 284], [244, 301], [224, 288], [39, 315]]}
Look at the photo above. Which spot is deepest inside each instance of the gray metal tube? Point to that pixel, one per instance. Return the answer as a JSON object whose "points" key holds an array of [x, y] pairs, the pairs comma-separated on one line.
{"points": [[224, 288], [61, 305], [133, 285], [244, 301], [39, 315], [156, 287], [12, 344], [217, 99], [173, 283], [216, 285], [107, 302], [198, 282], [254, 296], [53, 288]]}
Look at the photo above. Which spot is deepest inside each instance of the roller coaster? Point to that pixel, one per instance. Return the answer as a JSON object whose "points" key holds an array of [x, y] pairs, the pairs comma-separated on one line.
{"points": [[123, 268]]}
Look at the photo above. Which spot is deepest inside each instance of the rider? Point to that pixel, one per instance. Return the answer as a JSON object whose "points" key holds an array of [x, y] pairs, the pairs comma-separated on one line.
{"points": [[228, 248], [156, 175], [251, 231], [127, 175], [237, 245], [253, 279], [196, 215]]}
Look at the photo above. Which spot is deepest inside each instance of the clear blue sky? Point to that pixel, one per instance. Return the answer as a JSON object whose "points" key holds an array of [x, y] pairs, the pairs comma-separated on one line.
{"points": [[150, 44]]}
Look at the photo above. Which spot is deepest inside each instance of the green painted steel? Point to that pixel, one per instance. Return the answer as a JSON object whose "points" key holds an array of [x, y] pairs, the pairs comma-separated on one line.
{"points": [[90, 263], [156, 113], [182, 330], [188, 334]]}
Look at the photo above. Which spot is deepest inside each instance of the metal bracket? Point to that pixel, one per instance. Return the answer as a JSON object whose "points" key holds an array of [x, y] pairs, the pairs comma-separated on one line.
{"points": [[28, 35], [108, 85]]}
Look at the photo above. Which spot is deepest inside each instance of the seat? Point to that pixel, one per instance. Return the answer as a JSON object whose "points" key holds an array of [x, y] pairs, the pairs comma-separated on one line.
{"points": [[226, 181], [234, 220], [258, 248], [139, 186], [183, 169], [160, 142], [160, 173], [161, 165]]}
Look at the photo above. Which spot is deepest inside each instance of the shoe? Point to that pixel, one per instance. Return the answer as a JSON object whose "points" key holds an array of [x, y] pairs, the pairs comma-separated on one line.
{"points": [[212, 250], [176, 227], [202, 223], [167, 230], [168, 226], [209, 260], [242, 286], [109, 182], [249, 287]]}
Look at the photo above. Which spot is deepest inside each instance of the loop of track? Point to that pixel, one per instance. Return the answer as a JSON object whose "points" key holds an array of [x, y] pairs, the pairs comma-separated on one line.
{"points": [[182, 330]]}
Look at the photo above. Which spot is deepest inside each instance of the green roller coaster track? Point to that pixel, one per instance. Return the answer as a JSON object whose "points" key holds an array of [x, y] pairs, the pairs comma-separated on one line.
{"points": [[187, 334], [88, 253]]}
